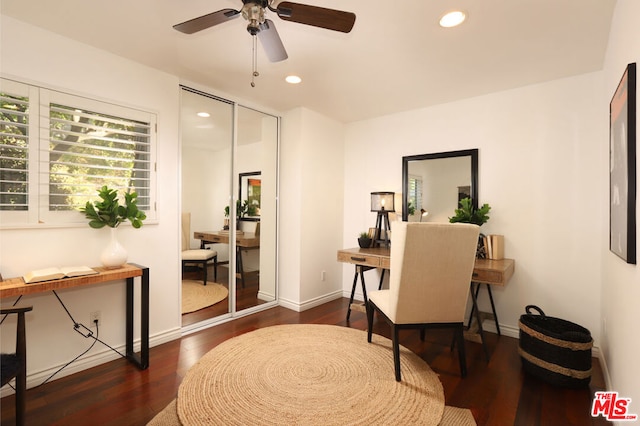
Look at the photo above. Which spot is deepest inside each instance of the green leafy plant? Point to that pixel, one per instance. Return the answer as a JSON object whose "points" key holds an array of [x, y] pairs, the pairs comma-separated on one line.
{"points": [[411, 209], [468, 214], [364, 235], [242, 209], [109, 212]]}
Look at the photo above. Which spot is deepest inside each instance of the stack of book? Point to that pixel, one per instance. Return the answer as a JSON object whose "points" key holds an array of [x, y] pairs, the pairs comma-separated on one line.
{"points": [[494, 246]]}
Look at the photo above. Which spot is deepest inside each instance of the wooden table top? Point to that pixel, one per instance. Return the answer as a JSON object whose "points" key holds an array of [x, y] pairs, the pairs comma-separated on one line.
{"points": [[16, 286]]}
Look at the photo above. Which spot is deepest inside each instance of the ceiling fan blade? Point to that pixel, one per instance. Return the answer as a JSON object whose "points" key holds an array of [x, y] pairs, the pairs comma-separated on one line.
{"points": [[203, 22], [330, 19], [271, 42]]}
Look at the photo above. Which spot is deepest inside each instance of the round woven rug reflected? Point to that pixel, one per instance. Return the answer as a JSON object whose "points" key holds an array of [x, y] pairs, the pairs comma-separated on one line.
{"points": [[196, 296], [308, 374]]}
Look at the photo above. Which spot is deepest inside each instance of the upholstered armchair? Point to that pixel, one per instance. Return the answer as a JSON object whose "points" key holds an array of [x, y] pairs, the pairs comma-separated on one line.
{"points": [[430, 274]]}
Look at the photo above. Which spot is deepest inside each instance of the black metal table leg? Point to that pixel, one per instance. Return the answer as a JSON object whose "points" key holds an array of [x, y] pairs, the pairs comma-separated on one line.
{"points": [[478, 317], [360, 270], [239, 266], [381, 279], [493, 309], [142, 360], [353, 291], [473, 307]]}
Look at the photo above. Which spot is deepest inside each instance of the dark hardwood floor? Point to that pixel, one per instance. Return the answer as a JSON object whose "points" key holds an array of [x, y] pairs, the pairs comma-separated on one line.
{"points": [[497, 392], [246, 296]]}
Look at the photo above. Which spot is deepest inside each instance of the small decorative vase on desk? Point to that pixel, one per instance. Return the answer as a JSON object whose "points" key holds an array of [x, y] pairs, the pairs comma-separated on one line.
{"points": [[108, 212], [114, 255]]}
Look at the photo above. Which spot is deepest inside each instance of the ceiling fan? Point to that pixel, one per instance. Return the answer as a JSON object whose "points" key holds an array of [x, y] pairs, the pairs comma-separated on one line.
{"points": [[254, 12]]}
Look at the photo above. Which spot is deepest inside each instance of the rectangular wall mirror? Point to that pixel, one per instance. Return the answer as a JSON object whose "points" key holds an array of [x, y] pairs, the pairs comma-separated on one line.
{"points": [[433, 184], [250, 185]]}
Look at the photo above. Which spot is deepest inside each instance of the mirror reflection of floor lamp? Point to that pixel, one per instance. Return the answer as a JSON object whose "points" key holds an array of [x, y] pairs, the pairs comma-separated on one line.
{"points": [[382, 203]]}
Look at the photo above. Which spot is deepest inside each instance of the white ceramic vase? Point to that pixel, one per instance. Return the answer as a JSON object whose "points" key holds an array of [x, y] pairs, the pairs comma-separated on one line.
{"points": [[114, 255]]}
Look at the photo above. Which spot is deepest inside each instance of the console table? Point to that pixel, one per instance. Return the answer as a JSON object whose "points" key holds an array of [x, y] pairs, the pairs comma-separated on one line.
{"points": [[486, 271], [17, 287]]}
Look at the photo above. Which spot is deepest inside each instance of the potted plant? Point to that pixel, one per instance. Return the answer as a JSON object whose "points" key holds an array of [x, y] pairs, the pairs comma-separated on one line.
{"points": [[241, 210], [364, 240], [109, 212], [469, 214]]}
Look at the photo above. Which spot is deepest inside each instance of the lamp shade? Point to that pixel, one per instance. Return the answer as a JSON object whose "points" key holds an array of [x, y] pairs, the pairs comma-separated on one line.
{"points": [[382, 201]]}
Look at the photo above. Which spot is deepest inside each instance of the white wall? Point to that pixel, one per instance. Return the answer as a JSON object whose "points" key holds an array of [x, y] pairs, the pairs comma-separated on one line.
{"points": [[540, 153], [311, 208], [40, 57], [620, 281]]}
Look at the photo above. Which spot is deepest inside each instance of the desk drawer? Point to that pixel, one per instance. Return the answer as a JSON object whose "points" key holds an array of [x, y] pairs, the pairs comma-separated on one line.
{"points": [[359, 259], [486, 276], [212, 238]]}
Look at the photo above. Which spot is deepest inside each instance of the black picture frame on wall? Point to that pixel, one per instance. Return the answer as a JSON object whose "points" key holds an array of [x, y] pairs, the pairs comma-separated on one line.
{"points": [[622, 168]]}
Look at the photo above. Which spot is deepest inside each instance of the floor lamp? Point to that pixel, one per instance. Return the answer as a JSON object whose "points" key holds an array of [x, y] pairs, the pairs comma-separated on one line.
{"points": [[382, 203]]}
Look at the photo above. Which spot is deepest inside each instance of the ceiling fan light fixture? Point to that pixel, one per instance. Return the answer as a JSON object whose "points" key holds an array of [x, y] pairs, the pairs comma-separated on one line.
{"points": [[293, 79], [452, 19]]}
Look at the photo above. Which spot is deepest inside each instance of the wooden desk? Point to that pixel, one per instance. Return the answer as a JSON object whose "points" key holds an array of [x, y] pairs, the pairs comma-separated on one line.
{"points": [[485, 271], [17, 287], [246, 240]]}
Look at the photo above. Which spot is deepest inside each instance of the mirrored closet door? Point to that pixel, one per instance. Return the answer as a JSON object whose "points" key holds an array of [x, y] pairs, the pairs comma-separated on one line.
{"points": [[229, 190]]}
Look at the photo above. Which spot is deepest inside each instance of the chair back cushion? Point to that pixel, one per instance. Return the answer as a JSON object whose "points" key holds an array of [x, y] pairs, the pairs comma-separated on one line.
{"points": [[431, 269], [186, 230]]}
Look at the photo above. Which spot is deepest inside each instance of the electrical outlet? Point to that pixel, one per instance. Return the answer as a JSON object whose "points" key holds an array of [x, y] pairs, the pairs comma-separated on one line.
{"points": [[323, 275], [95, 316]]}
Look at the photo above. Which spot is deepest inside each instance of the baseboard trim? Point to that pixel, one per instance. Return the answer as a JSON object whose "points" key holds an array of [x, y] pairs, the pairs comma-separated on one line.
{"points": [[96, 358], [311, 303]]}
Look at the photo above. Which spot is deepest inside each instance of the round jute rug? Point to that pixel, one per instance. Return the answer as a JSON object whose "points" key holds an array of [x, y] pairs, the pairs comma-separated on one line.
{"points": [[303, 374], [196, 296]]}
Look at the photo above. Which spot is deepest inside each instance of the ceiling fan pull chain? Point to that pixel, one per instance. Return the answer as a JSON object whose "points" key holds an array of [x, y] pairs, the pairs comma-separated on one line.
{"points": [[255, 61]]}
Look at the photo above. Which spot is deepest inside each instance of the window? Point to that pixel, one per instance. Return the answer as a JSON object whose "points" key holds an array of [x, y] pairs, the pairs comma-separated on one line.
{"points": [[415, 192], [58, 149]]}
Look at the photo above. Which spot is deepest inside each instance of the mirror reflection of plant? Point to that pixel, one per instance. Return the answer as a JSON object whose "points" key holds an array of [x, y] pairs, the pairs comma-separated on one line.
{"points": [[109, 212], [242, 209], [468, 214], [411, 209]]}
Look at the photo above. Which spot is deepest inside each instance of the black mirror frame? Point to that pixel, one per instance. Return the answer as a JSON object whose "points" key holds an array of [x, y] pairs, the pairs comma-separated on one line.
{"points": [[473, 153]]}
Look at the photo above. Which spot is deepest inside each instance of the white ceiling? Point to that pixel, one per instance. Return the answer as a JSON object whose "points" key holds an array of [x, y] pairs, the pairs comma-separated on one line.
{"points": [[396, 58]]}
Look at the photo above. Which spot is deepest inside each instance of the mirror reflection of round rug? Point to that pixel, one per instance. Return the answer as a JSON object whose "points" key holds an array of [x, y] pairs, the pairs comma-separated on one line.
{"points": [[308, 374]]}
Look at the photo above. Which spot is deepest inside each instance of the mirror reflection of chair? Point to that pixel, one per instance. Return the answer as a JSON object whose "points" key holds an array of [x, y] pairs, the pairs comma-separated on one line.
{"points": [[14, 365], [196, 256], [431, 269]]}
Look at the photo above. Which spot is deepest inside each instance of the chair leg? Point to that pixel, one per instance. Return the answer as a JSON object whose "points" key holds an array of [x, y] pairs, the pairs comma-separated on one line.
{"points": [[370, 309], [21, 388], [204, 267], [396, 351], [461, 351], [215, 268]]}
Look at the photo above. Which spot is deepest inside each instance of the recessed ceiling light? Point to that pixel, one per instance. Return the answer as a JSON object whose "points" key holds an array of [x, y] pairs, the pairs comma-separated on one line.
{"points": [[293, 79], [204, 114], [452, 19]]}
